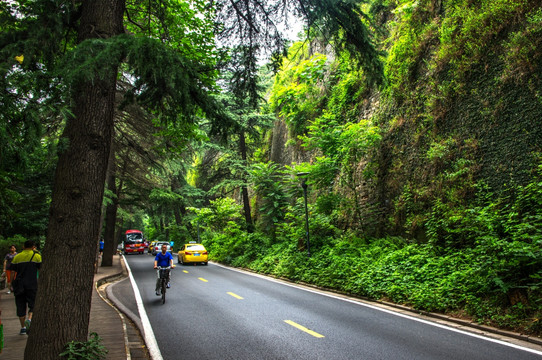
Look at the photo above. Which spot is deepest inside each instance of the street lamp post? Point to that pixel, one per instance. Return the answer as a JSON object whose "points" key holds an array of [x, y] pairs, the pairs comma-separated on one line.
{"points": [[304, 185]]}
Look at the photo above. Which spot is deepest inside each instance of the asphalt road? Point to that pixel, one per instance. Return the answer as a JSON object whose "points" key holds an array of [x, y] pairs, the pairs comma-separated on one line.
{"points": [[213, 312]]}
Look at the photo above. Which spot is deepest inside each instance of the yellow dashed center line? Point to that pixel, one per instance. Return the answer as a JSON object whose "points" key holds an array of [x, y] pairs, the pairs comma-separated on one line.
{"points": [[302, 328], [235, 296], [202, 279], [184, 271]]}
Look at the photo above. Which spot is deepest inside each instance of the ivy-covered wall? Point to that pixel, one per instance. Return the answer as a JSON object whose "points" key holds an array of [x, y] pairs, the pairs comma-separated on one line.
{"points": [[461, 110], [465, 109], [506, 118]]}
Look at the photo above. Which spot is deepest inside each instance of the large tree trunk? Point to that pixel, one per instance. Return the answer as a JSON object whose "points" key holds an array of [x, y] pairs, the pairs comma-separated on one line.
{"points": [[110, 240], [110, 221], [244, 190], [119, 232], [65, 285], [166, 225], [179, 210], [176, 212], [189, 226]]}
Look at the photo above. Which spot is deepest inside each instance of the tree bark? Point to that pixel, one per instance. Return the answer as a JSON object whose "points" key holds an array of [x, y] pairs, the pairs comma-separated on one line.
{"points": [[166, 225], [177, 215], [110, 231], [179, 210], [244, 190], [176, 212], [65, 284], [110, 222], [189, 226], [119, 233]]}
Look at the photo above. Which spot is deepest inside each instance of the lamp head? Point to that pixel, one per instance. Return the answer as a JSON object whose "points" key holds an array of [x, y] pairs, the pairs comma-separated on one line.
{"points": [[303, 177]]}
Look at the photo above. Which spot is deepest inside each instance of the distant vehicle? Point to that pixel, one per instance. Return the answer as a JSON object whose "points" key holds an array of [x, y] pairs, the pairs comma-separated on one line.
{"points": [[158, 247], [133, 242], [192, 253]]}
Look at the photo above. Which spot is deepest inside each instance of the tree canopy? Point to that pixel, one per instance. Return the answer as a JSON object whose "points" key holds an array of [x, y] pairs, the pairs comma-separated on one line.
{"points": [[163, 115]]}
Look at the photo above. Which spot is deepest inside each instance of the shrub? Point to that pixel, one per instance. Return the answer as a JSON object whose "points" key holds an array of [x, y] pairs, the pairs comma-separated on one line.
{"points": [[85, 350]]}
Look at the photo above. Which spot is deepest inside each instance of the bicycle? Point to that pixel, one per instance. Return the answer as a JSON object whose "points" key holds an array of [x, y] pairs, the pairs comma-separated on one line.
{"points": [[164, 277]]}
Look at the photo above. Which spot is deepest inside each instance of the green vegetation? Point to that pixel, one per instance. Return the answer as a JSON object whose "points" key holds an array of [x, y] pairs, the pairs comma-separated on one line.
{"points": [[87, 350], [495, 280], [424, 191], [418, 123]]}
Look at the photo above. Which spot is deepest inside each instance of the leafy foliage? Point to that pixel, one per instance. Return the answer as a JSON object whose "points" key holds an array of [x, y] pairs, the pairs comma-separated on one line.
{"points": [[400, 202], [220, 213], [266, 179], [91, 349], [501, 267], [297, 95], [464, 249]]}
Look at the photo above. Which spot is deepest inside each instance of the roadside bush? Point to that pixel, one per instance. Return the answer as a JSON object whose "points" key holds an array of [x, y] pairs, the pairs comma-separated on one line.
{"points": [[226, 245], [85, 350], [496, 280]]}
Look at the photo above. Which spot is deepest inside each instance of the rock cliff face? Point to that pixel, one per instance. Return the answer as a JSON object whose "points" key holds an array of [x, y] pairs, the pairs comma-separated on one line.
{"points": [[465, 111], [281, 149]]}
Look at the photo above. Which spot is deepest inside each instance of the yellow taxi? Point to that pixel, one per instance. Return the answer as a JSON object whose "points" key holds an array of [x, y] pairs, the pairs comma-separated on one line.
{"points": [[192, 253], [151, 246]]}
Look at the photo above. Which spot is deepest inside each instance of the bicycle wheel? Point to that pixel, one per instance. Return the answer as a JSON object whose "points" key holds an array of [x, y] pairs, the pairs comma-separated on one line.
{"points": [[163, 291]]}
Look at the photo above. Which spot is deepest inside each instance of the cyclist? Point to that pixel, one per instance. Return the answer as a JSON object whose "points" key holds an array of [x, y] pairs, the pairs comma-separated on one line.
{"points": [[163, 259]]}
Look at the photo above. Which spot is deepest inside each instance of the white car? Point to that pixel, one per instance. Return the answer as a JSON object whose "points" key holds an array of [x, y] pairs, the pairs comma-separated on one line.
{"points": [[158, 247]]}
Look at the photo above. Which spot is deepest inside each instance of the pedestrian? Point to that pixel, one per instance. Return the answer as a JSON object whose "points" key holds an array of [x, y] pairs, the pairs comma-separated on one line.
{"points": [[25, 284], [7, 266], [101, 246]]}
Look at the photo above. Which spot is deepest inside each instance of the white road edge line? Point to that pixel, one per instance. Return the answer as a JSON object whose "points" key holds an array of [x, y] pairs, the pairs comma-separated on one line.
{"points": [[148, 334], [387, 311]]}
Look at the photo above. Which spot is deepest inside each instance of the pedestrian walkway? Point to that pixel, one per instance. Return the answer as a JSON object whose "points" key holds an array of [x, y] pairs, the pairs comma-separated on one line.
{"points": [[119, 335]]}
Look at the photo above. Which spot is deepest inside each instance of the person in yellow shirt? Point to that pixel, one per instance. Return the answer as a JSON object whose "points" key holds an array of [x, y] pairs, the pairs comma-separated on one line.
{"points": [[25, 284]]}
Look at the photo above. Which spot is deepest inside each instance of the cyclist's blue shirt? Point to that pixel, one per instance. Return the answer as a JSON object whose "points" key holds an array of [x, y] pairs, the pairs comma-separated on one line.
{"points": [[163, 259]]}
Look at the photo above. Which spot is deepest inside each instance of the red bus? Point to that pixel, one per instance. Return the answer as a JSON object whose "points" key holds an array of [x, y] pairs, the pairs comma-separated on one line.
{"points": [[133, 242]]}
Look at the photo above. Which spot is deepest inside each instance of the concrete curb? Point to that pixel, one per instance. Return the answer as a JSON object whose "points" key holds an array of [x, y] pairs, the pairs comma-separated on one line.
{"points": [[120, 306], [467, 323]]}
